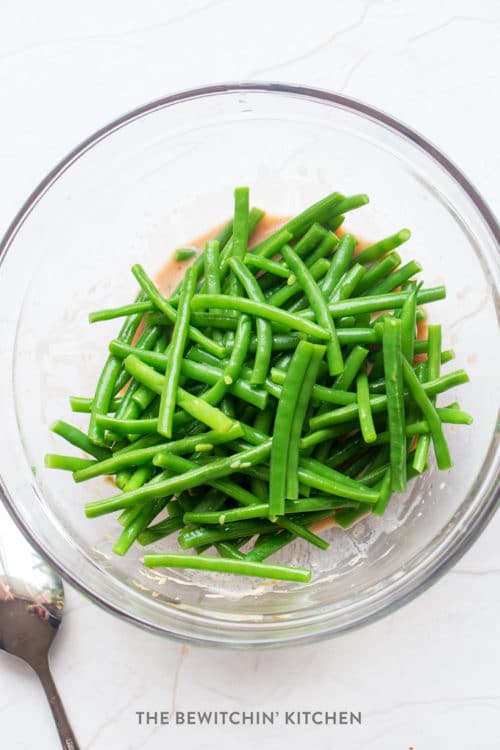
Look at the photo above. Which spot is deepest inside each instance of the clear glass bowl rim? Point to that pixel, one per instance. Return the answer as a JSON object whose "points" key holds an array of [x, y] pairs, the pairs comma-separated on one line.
{"points": [[492, 499]]}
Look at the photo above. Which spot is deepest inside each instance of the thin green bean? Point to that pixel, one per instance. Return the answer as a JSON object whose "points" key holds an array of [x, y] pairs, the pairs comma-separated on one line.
{"points": [[259, 309], [168, 400], [264, 331], [434, 362], [392, 348], [423, 401], [339, 264], [319, 307], [218, 468], [378, 249], [166, 308], [278, 480], [229, 565], [352, 365], [365, 413]]}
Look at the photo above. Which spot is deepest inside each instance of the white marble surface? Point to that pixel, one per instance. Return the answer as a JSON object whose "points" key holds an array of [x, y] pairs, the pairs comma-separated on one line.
{"points": [[426, 677]]}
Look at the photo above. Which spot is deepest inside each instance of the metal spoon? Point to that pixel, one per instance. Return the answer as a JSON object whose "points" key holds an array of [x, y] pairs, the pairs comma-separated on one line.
{"points": [[31, 604]]}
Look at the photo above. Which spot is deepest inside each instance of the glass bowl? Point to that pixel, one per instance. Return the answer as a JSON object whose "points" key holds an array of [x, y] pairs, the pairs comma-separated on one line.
{"points": [[151, 181]]}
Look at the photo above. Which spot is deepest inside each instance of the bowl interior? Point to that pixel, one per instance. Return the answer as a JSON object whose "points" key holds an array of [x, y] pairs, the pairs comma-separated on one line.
{"points": [[153, 183]]}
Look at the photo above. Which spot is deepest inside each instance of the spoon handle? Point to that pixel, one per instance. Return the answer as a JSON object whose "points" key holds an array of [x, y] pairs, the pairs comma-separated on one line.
{"points": [[66, 735]]}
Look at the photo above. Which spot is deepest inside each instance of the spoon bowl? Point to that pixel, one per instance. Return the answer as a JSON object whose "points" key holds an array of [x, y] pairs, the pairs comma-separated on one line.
{"points": [[31, 608]]}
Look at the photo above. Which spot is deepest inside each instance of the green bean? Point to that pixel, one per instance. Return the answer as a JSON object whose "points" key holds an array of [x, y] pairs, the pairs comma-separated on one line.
{"points": [[378, 302], [123, 477], [240, 236], [107, 379], [227, 549], [379, 403], [317, 213], [264, 331], [313, 504], [313, 237], [196, 537], [373, 477], [378, 249], [67, 463], [396, 278], [176, 351], [422, 347], [227, 516], [320, 436], [347, 321], [392, 348], [159, 531], [408, 324], [212, 501], [158, 360], [229, 565], [166, 308], [357, 468], [198, 408], [319, 307], [138, 525], [218, 468], [146, 341], [262, 422], [121, 312], [303, 532], [83, 405], [139, 477], [267, 265], [141, 456], [325, 247], [364, 410], [273, 244], [295, 432], [350, 203], [259, 309], [211, 267], [319, 392], [255, 216], [339, 264], [348, 283], [78, 438], [330, 485], [210, 375], [378, 271], [268, 544], [241, 388], [345, 451], [226, 486], [143, 442], [184, 253], [421, 427], [129, 426], [352, 366], [137, 396], [429, 411], [224, 234], [278, 480], [434, 361], [336, 476], [286, 292], [335, 223]]}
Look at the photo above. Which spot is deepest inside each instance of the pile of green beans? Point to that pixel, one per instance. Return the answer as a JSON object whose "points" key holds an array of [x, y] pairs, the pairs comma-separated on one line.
{"points": [[278, 386]]}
